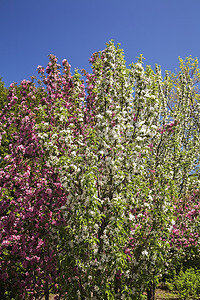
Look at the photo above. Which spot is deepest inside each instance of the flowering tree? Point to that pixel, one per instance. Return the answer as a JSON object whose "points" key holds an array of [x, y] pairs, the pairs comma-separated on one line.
{"points": [[30, 195], [99, 167], [126, 194]]}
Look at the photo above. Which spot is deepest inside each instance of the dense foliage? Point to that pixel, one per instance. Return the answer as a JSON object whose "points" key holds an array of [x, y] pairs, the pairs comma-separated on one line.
{"points": [[99, 179]]}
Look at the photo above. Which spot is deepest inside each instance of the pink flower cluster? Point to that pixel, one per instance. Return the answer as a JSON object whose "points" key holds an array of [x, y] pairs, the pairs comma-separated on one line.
{"points": [[168, 127], [187, 216]]}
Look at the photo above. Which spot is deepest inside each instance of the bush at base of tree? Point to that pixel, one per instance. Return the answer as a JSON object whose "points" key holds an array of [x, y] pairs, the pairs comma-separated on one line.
{"points": [[186, 284]]}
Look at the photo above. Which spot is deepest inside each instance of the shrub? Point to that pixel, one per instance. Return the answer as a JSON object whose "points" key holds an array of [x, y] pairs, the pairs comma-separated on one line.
{"points": [[187, 284]]}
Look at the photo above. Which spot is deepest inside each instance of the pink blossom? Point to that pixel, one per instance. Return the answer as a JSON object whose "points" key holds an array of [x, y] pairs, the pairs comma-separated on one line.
{"points": [[150, 146], [5, 243], [91, 60], [64, 62]]}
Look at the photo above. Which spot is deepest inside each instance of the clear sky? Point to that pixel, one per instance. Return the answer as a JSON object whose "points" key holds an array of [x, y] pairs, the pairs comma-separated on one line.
{"points": [[161, 30]]}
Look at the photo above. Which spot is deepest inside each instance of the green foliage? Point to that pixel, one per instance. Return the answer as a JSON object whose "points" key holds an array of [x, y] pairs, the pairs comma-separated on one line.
{"points": [[3, 102], [3, 94], [187, 284]]}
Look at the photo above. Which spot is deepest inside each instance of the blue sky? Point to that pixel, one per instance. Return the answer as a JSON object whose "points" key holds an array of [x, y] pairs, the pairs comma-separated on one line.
{"points": [[161, 30]]}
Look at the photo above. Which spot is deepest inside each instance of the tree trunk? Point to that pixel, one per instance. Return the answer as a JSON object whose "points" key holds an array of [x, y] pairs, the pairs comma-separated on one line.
{"points": [[151, 291], [46, 290]]}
